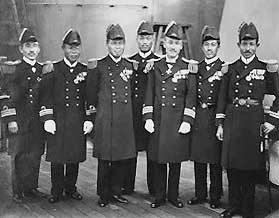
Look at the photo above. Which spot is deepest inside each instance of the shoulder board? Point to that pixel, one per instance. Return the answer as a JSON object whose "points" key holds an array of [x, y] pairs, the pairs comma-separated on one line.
{"points": [[92, 63], [84, 64], [271, 65], [225, 67], [192, 65], [150, 64], [131, 56], [12, 63], [134, 62], [47, 67]]}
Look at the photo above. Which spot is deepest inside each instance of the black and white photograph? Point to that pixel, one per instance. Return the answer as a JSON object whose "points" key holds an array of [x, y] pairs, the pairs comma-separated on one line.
{"points": [[139, 109]]}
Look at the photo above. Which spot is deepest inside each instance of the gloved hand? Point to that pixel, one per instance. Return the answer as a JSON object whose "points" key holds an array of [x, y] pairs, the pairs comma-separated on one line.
{"points": [[219, 133], [149, 125], [13, 127], [184, 128], [268, 127], [87, 127], [50, 126]]}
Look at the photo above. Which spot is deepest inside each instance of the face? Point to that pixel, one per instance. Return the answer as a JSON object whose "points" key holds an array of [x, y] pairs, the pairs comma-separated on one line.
{"points": [[30, 50], [116, 47], [71, 52], [210, 48], [172, 46], [145, 42], [248, 47]]}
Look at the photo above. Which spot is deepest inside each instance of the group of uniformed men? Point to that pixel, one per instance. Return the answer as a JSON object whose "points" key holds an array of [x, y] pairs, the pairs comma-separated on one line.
{"points": [[170, 107]]}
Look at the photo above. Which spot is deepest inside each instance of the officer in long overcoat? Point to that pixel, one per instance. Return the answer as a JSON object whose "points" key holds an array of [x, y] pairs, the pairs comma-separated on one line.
{"points": [[205, 147], [145, 39], [21, 113], [241, 120], [63, 112], [109, 96], [169, 112]]}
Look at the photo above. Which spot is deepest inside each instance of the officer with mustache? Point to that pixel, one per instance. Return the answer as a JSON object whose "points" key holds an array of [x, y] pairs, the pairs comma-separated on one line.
{"points": [[240, 119]]}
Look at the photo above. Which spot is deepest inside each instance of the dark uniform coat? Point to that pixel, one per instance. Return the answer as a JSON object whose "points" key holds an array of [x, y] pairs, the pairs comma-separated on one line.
{"points": [[139, 82], [27, 145], [109, 92], [63, 100], [23, 107], [170, 100], [205, 147], [242, 142]]}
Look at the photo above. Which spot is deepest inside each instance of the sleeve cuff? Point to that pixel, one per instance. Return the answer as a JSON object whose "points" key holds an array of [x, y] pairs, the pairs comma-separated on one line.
{"points": [[147, 112], [46, 114], [189, 115], [91, 113], [8, 114]]}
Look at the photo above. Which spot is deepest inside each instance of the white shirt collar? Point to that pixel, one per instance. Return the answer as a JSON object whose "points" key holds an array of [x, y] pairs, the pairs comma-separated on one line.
{"points": [[247, 61], [171, 60], [145, 55], [211, 60], [67, 62], [28, 61], [116, 60]]}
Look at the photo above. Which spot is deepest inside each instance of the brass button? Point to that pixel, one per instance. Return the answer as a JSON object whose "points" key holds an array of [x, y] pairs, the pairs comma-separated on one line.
{"points": [[136, 95], [67, 89], [113, 87], [126, 101], [77, 105], [77, 97], [174, 96], [163, 104], [113, 101], [113, 94], [163, 81], [67, 97], [163, 89], [163, 96], [173, 104], [112, 80], [67, 105]]}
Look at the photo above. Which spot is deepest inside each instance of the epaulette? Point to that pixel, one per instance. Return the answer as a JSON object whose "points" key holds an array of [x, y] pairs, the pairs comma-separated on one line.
{"points": [[92, 63], [12, 63], [134, 62], [271, 65], [47, 67], [225, 67], [150, 64], [192, 65]]}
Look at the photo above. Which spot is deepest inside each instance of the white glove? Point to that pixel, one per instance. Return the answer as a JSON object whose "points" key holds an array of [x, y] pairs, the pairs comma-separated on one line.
{"points": [[87, 127], [149, 125], [50, 126], [219, 133], [184, 128], [13, 127], [268, 127]]}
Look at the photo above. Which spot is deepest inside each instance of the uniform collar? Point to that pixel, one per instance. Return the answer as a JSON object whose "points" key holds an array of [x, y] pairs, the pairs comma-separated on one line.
{"points": [[116, 60], [146, 54], [172, 60], [211, 60], [247, 61], [68, 63], [28, 61]]}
